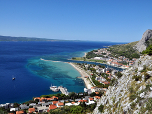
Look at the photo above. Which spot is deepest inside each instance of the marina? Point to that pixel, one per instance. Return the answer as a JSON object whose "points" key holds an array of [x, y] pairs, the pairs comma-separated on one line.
{"points": [[62, 89], [54, 88]]}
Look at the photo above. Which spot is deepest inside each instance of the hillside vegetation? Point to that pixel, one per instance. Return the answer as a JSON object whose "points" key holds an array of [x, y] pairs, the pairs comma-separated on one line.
{"points": [[126, 50]]}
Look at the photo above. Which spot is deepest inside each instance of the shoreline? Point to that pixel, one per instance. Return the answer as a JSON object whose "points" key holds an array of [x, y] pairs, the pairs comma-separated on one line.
{"points": [[83, 74]]}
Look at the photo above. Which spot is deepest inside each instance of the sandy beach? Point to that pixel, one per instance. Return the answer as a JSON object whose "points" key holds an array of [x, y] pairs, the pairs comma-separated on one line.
{"points": [[83, 74]]}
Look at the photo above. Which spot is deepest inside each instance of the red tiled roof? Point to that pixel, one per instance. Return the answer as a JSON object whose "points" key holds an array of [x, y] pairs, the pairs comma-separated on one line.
{"points": [[20, 112], [49, 99], [72, 102], [106, 82], [60, 104], [97, 92], [37, 98], [30, 110], [52, 106], [54, 102], [91, 99], [82, 101], [54, 97], [97, 97]]}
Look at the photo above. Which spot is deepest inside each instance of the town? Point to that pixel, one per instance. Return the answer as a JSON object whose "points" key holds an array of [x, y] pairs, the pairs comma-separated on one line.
{"points": [[97, 76], [117, 61]]}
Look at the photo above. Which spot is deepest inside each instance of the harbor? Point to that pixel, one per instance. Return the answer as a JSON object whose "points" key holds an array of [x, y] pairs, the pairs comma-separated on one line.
{"points": [[62, 89]]}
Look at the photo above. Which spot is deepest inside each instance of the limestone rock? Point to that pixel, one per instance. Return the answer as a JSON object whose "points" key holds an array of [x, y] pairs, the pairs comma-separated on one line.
{"points": [[141, 45]]}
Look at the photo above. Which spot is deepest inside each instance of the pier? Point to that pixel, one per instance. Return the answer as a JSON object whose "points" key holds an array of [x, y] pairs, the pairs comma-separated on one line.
{"points": [[63, 90]]}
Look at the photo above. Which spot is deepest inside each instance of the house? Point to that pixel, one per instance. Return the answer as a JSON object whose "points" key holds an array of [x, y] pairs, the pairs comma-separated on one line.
{"points": [[55, 98], [49, 99], [24, 106], [97, 93], [42, 109], [32, 104], [54, 102], [31, 110], [52, 106], [87, 97], [77, 100], [82, 101], [13, 109], [93, 89], [60, 104], [6, 106], [46, 104], [68, 104], [42, 99], [96, 98], [90, 101], [106, 83], [37, 98], [20, 112], [74, 103], [61, 101]]}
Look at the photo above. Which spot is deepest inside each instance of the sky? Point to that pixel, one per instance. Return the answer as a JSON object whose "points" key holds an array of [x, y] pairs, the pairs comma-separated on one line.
{"points": [[93, 20]]}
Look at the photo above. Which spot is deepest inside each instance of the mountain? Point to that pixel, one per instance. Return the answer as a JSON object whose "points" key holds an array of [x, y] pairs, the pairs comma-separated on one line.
{"points": [[10, 38], [145, 41], [132, 93]]}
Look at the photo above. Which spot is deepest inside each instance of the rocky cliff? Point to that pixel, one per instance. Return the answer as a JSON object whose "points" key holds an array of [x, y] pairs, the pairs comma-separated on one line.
{"points": [[145, 40], [132, 93]]}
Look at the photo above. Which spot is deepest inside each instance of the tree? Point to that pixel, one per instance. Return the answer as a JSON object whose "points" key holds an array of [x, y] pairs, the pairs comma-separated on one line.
{"points": [[76, 110], [118, 74]]}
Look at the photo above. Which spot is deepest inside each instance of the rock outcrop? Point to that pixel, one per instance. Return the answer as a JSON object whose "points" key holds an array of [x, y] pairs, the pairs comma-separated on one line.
{"points": [[142, 44], [132, 93]]}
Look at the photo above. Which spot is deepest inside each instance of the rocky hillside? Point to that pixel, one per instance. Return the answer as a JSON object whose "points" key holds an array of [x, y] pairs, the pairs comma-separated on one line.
{"points": [[132, 93], [145, 41]]}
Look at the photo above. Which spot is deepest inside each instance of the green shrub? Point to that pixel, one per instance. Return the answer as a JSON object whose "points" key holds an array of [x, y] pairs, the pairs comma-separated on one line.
{"points": [[133, 97], [100, 108], [133, 105], [146, 76], [131, 90], [148, 50], [137, 78], [149, 104], [119, 74], [144, 69]]}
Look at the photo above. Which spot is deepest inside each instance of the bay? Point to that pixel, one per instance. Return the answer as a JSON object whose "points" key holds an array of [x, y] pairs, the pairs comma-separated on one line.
{"points": [[34, 76]]}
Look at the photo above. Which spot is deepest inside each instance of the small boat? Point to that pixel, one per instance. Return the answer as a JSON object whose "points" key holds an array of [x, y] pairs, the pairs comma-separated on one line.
{"points": [[13, 78], [54, 88]]}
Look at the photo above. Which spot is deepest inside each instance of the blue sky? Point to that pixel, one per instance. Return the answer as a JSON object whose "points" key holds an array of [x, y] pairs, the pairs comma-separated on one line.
{"points": [[94, 20]]}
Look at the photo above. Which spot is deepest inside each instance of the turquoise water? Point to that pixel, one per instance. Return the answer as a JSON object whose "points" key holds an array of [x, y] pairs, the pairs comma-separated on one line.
{"points": [[58, 73], [33, 75]]}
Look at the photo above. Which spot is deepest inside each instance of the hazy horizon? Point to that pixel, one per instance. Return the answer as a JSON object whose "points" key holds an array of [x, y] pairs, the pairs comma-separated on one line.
{"points": [[99, 20]]}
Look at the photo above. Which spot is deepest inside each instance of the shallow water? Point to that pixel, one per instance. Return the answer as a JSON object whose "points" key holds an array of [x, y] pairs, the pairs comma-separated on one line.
{"points": [[34, 76]]}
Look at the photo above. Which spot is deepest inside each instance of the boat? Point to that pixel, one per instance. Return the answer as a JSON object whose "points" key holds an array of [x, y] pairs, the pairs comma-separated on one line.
{"points": [[54, 88], [13, 78]]}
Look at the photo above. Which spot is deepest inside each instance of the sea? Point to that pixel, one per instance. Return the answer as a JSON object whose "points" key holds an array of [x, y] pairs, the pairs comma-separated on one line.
{"points": [[38, 65]]}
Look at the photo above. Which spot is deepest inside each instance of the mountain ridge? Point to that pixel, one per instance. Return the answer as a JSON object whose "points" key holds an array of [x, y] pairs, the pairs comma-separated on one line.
{"points": [[132, 93]]}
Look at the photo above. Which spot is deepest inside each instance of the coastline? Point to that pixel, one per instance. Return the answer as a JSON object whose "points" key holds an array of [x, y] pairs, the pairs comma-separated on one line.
{"points": [[83, 74]]}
